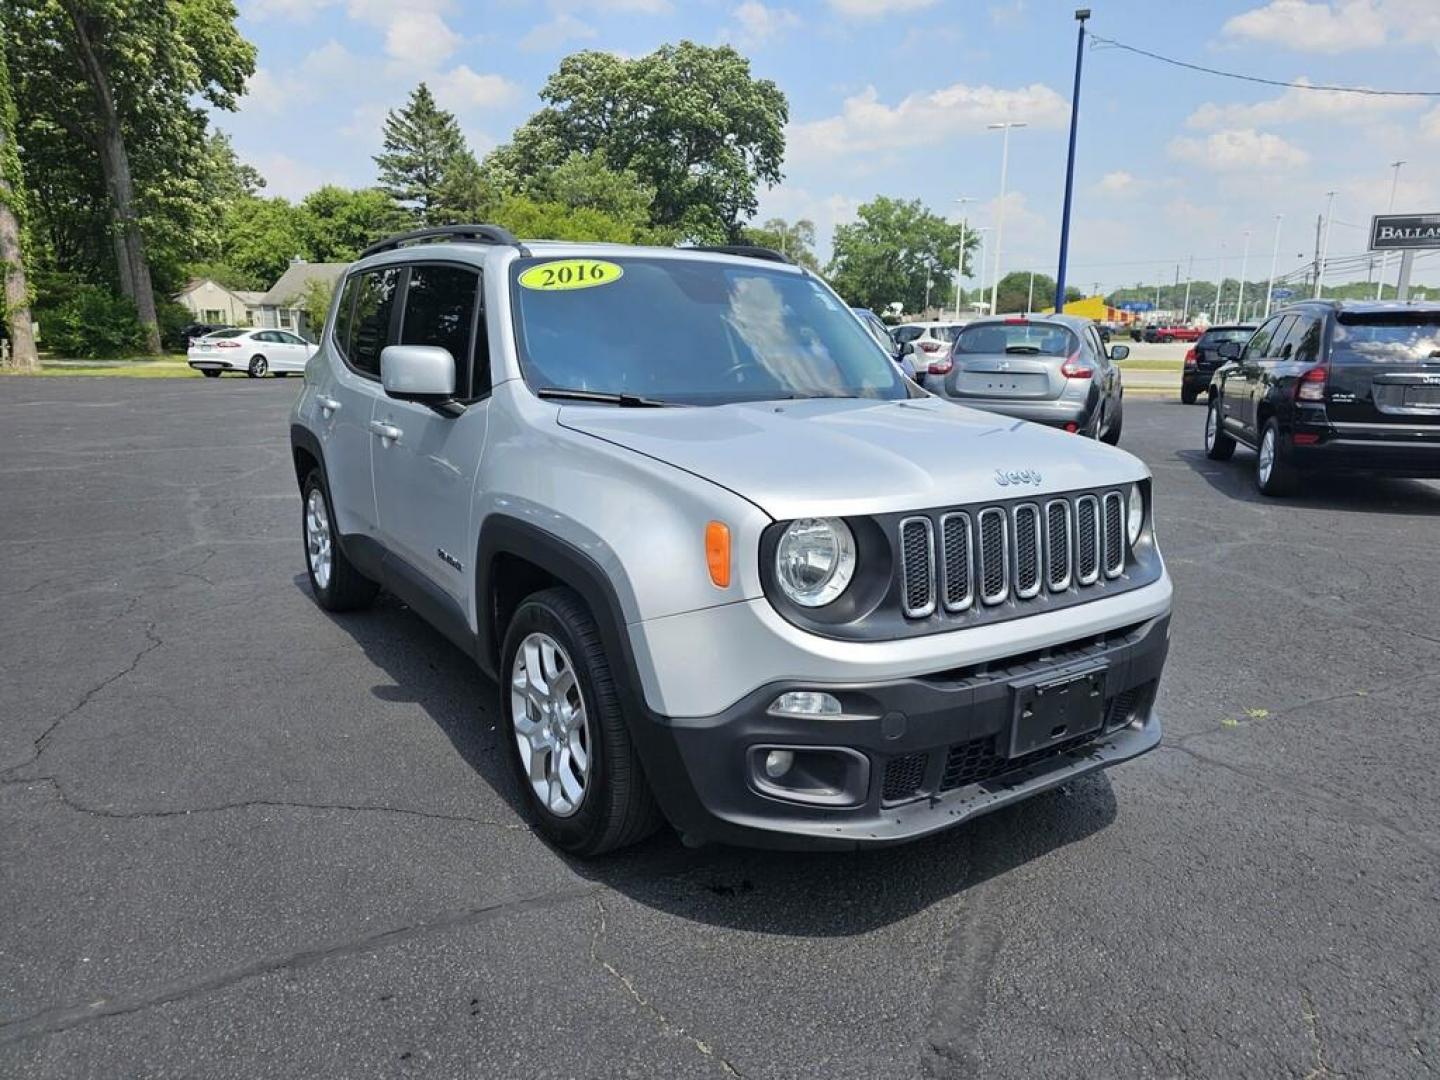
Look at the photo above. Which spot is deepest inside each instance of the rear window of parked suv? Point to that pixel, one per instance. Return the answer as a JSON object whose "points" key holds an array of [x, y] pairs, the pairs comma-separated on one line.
{"points": [[1215, 337], [1386, 338]]}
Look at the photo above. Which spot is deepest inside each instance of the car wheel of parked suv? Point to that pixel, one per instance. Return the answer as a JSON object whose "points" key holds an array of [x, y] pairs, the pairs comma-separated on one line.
{"points": [[1188, 396], [1218, 445], [337, 584], [211, 374], [568, 741], [258, 367], [1117, 421], [1274, 475]]}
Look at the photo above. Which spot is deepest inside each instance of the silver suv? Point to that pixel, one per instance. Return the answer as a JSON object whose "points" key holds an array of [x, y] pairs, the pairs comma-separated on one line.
{"points": [[670, 500]]}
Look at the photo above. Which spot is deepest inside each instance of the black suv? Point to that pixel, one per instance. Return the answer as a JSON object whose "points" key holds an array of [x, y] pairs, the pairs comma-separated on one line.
{"points": [[1204, 357], [1349, 386]]}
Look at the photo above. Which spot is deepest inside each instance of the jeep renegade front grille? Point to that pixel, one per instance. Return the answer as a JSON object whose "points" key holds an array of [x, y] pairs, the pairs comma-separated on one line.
{"points": [[986, 556]]}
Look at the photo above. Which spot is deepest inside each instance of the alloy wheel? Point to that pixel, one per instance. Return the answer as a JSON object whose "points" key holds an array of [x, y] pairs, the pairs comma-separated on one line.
{"points": [[552, 729], [317, 537], [1267, 455]]}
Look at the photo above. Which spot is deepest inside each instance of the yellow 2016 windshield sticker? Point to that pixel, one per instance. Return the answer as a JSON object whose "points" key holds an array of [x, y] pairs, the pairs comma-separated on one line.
{"points": [[570, 274]]}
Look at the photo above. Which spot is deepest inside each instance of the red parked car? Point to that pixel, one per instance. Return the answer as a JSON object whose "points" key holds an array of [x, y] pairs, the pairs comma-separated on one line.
{"points": [[1166, 334]]}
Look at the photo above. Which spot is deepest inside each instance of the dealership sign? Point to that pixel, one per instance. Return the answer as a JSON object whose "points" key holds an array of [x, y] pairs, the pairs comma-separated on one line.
{"points": [[1396, 232]]}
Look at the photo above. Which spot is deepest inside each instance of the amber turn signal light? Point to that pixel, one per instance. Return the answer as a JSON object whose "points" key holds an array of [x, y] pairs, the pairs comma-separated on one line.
{"points": [[717, 553]]}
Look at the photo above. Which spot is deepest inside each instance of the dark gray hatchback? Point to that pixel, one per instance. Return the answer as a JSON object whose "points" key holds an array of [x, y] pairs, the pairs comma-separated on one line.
{"points": [[1045, 368]]}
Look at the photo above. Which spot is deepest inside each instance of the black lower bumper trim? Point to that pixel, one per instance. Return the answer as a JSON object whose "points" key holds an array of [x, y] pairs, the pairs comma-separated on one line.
{"points": [[937, 747]]}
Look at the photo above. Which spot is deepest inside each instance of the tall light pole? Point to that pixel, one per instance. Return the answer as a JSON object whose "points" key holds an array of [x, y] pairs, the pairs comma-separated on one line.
{"points": [[1004, 126], [1081, 14], [1274, 255], [980, 232], [1189, 275], [1219, 284], [1244, 263], [1385, 258], [1324, 245], [1030, 296], [960, 259]]}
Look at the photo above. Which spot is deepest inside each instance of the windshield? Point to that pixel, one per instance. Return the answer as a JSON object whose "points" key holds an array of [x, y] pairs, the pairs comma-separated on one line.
{"points": [[1387, 338], [1238, 333], [1023, 338], [692, 332]]}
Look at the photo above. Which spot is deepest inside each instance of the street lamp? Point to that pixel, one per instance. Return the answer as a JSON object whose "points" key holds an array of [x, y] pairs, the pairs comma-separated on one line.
{"points": [[1244, 262], [1220, 284], [1081, 14], [1274, 255], [981, 233], [1385, 258], [960, 258], [1324, 246], [1004, 126]]}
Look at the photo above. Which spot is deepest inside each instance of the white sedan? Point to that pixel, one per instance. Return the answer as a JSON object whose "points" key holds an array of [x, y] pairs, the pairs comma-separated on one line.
{"points": [[256, 352]]}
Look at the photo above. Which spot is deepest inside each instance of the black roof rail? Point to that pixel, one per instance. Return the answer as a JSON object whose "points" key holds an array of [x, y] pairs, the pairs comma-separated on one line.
{"points": [[750, 251], [472, 234]]}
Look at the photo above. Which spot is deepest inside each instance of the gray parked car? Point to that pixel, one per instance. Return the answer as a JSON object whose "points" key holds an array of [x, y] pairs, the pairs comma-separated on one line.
{"points": [[1052, 369], [716, 587]]}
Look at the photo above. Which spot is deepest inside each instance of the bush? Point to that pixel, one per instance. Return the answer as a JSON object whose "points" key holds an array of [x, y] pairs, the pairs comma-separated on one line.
{"points": [[90, 322], [173, 319]]}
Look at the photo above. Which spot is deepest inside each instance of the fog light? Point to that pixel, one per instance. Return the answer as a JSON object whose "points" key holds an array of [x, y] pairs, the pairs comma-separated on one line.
{"points": [[778, 762], [806, 703]]}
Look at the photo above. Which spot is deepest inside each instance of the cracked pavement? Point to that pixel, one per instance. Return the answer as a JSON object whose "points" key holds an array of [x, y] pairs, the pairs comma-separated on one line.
{"points": [[241, 837]]}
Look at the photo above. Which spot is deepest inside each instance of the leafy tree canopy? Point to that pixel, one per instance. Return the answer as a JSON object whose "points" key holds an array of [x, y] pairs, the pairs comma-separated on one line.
{"points": [[890, 252], [797, 239]]}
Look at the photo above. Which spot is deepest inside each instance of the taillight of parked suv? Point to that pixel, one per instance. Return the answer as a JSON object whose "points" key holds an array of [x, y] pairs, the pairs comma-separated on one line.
{"points": [[1311, 386], [1190, 356]]}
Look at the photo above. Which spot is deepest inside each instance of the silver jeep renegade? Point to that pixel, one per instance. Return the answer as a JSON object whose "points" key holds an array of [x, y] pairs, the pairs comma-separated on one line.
{"points": [[728, 566]]}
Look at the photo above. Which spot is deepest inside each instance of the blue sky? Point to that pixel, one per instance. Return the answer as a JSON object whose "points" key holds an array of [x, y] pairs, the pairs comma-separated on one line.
{"points": [[893, 97]]}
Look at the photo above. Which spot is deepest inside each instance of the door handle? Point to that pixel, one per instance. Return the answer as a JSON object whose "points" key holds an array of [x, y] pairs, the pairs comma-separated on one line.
{"points": [[328, 406], [386, 431]]}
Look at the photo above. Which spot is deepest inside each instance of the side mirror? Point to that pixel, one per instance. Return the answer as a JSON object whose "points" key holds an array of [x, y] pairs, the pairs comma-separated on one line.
{"points": [[1229, 350], [417, 372], [1119, 352], [907, 348]]}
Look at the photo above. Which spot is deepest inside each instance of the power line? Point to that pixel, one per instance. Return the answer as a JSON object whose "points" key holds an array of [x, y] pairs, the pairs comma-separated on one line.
{"points": [[1098, 40]]}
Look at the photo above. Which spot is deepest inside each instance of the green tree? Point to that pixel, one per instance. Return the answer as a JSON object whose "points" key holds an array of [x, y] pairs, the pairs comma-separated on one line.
{"points": [[1014, 292], [315, 303], [422, 142], [890, 252], [467, 193], [15, 313], [796, 240], [119, 82], [690, 121], [586, 181], [338, 223], [536, 220], [261, 236]]}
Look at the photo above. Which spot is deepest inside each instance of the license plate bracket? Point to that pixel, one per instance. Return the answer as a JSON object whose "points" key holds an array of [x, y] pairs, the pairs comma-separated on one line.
{"points": [[1056, 707]]}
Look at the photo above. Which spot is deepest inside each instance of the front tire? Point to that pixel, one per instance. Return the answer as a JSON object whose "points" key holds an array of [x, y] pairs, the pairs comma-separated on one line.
{"points": [[1218, 445], [210, 373], [567, 739], [258, 367], [1274, 475], [337, 585], [1117, 421], [1188, 394]]}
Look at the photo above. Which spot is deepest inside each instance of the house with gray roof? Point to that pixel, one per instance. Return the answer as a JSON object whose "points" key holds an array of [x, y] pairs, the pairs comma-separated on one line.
{"points": [[280, 306]]}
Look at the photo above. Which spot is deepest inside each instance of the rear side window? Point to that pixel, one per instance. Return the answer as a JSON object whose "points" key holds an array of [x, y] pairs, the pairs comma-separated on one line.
{"points": [[227, 333], [1260, 344], [907, 333], [1020, 338], [375, 297], [440, 308], [1280, 335], [341, 330], [1387, 338], [1305, 339]]}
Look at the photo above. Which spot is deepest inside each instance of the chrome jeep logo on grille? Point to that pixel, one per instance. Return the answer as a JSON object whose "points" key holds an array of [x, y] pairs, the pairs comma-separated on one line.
{"points": [[1017, 477]]}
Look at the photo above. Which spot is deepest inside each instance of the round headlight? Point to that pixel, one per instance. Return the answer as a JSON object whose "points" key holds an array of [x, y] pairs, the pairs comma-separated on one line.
{"points": [[815, 560], [1135, 514]]}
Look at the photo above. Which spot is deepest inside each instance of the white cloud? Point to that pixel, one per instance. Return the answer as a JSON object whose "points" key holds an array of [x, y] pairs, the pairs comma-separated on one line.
{"points": [[291, 178], [1430, 123], [865, 124], [1118, 182], [421, 39], [1295, 105], [1311, 27], [869, 9], [563, 28], [618, 7], [462, 88], [269, 92], [758, 24], [1241, 150]]}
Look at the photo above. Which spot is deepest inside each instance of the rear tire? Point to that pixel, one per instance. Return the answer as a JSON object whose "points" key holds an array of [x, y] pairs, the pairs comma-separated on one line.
{"points": [[258, 366], [1274, 475], [1117, 421], [556, 677], [210, 374], [1218, 445], [337, 585], [1188, 395]]}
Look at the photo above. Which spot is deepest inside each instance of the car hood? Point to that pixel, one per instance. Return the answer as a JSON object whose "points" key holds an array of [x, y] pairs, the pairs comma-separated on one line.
{"points": [[845, 457]]}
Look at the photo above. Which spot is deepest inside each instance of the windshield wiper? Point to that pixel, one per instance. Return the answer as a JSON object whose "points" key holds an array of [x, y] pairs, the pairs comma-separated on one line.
{"points": [[600, 397], [1029, 350]]}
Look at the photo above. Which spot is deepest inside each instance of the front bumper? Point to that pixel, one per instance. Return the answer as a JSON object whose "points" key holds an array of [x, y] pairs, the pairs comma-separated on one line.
{"points": [[933, 746]]}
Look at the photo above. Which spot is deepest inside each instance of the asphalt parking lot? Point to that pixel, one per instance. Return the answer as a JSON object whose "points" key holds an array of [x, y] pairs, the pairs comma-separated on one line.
{"points": [[240, 837]]}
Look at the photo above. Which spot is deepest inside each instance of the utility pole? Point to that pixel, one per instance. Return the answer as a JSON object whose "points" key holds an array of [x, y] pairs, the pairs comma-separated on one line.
{"points": [[1000, 208], [1274, 254], [1030, 299], [960, 259], [1189, 275], [1244, 262], [1324, 246], [1385, 258], [1315, 266], [1081, 14]]}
